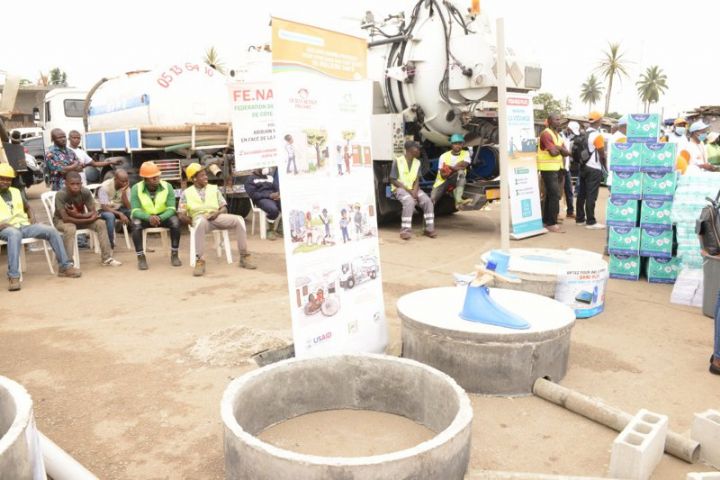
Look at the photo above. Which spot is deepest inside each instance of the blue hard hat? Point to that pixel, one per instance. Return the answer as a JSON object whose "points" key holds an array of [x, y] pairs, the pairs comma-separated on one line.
{"points": [[457, 138]]}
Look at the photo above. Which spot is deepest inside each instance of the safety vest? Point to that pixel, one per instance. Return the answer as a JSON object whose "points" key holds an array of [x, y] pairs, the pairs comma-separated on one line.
{"points": [[160, 198], [17, 216], [451, 160], [406, 175], [198, 206], [545, 161]]}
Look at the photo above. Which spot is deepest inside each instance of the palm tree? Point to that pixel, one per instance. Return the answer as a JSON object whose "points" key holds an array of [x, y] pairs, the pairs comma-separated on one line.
{"points": [[591, 91], [651, 85], [213, 59], [612, 66]]}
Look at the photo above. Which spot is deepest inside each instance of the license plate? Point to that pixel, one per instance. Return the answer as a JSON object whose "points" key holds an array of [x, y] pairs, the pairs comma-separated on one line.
{"points": [[492, 193]]}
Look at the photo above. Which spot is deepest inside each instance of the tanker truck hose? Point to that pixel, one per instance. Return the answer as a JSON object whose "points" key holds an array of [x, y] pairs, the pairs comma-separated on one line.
{"points": [[88, 97]]}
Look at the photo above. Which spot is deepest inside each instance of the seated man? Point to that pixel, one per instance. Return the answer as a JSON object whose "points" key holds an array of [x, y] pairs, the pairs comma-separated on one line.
{"points": [[405, 180], [204, 207], [75, 209], [16, 223], [153, 205], [452, 168], [115, 202], [263, 190]]}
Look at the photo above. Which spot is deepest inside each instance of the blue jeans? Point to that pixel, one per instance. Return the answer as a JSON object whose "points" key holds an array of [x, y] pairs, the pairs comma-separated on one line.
{"points": [[717, 327], [111, 220], [13, 237]]}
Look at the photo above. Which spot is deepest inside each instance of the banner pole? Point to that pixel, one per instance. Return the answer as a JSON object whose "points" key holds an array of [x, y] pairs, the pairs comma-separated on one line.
{"points": [[503, 138]]}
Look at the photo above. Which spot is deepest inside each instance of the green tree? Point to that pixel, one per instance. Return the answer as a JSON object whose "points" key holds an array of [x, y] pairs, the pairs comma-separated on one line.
{"points": [[651, 85], [591, 91], [549, 104], [613, 65], [57, 77], [212, 58], [317, 137]]}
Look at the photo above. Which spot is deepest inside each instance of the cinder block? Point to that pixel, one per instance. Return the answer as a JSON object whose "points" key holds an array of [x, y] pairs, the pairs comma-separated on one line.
{"points": [[639, 447], [706, 431], [703, 476]]}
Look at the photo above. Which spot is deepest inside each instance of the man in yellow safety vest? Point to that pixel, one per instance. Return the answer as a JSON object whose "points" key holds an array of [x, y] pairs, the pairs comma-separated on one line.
{"points": [[204, 207], [452, 167], [16, 223], [153, 205], [550, 155], [405, 184]]}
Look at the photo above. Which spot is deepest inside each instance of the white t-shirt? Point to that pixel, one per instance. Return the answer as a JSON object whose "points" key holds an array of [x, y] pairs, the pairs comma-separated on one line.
{"points": [[673, 138], [594, 161], [84, 159], [568, 146], [698, 155]]}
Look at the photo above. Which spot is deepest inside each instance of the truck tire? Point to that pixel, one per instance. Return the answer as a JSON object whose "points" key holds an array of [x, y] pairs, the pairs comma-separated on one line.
{"points": [[350, 283], [373, 275], [445, 205]]}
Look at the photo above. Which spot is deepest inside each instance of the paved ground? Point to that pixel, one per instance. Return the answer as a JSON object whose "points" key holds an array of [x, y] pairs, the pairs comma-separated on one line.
{"points": [[127, 368]]}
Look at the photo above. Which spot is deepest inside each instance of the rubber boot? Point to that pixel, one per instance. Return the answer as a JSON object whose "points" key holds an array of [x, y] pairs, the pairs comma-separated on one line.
{"points": [[14, 284], [199, 270], [175, 259], [245, 262], [142, 262]]}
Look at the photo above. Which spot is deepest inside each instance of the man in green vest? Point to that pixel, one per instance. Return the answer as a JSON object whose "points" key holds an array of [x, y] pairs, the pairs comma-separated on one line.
{"points": [[452, 168], [16, 223], [153, 205], [405, 185], [204, 207], [550, 160]]}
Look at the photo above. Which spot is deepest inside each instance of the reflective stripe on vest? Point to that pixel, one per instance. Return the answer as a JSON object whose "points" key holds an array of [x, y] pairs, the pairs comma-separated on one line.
{"points": [[198, 206], [14, 215], [451, 160], [545, 161], [160, 198], [406, 175]]}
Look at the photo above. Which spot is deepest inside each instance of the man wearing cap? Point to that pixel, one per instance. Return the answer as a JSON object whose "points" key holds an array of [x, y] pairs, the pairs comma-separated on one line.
{"points": [[692, 155], [153, 205], [16, 223], [591, 175], [452, 168], [678, 132], [405, 185], [551, 155], [204, 207]]}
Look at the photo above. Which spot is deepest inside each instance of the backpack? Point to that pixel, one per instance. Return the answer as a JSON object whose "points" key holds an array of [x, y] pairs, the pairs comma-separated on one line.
{"points": [[708, 226], [580, 152]]}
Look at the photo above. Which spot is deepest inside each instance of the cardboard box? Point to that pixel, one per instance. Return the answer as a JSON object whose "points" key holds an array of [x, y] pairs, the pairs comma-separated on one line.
{"points": [[643, 127], [622, 212], [657, 157], [656, 214], [658, 186], [624, 267], [626, 157], [627, 185], [624, 240], [663, 270], [656, 242]]}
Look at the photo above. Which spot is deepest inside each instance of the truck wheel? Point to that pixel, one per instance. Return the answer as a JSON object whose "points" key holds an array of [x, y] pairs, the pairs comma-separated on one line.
{"points": [[373, 274], [350, 283], [445, 206]]}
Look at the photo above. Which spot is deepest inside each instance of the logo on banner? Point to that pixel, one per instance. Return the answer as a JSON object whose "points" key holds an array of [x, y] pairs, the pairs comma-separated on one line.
{"points": [[303, 100], [348, 105], [319, 339]]}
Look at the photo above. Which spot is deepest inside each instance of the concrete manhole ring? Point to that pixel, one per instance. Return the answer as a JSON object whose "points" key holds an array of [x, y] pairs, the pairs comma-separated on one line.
{"points": [[20, 457], [294, 387]]}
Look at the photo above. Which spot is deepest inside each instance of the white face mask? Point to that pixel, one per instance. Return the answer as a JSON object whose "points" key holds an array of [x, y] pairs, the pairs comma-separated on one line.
{"points": [[265, 171]]}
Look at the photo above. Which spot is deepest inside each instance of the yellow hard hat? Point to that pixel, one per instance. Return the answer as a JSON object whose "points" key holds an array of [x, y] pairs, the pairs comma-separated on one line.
{"points": [[192, 169], [6, 171]]}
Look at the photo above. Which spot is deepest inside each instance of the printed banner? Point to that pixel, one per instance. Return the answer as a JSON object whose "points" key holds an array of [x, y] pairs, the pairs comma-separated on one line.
{"points": [[526, 217], [253, 125], [322, 107]]}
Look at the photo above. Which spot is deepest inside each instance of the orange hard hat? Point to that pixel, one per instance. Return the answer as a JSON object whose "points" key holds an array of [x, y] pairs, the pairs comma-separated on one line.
{"points": [[149, 170], [680, 121], [594, 117]]}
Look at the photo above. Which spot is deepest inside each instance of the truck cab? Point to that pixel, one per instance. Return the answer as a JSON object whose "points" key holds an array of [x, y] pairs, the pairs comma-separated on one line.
{"points": [[63, 108]]}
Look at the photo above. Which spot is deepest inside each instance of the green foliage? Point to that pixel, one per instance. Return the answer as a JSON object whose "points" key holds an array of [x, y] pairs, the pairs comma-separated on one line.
{"points": [[651, 85], [212, 59], [58, 77], [613, 65], [591, 91], [550, 104]]}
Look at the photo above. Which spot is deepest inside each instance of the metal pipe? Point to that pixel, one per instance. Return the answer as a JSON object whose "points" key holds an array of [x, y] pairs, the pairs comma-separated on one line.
{"points": [[59, 465], [503, 137], [494, 475], [595, 409], [385, 41]]}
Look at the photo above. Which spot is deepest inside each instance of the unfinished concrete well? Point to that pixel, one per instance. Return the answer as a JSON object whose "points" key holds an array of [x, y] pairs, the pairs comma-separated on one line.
{"points": [[483, 358], [287, 389], [20, 457]]}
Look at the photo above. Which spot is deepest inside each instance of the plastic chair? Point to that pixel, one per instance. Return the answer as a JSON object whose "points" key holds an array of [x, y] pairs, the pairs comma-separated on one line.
{"points": [[48, 201], [222, 240], [23, 260], [263, 220], [163, 236]]}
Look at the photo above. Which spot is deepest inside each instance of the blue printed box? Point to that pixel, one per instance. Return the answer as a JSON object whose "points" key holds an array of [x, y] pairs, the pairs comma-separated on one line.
{"points": [[643, 127], [627, 185], [663, 270], [657, 157], [624, 267], [621, 212], [656, 242], [626, 157], [624, 240], [657, 186], [656, 214]]}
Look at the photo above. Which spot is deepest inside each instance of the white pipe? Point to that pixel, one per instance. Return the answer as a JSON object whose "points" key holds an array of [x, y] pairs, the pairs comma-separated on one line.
{"points": [[503, 138], [59, 465]]}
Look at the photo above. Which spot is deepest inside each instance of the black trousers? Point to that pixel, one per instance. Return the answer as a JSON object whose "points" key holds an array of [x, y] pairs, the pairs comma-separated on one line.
{"points": [[588, 195], [173, 223], [551, 204]]}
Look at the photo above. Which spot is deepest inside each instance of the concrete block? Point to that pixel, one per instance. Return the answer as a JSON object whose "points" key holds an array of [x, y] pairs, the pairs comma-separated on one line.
{"points": [[639, 447], [706, 430], [703, 476]]}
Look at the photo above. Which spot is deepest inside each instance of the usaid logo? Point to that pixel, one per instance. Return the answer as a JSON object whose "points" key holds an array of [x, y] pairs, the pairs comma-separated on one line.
{"points": [[320, 339]]}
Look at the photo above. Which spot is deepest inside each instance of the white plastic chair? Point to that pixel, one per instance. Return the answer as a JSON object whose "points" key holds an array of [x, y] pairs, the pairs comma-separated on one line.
{"points": [[222, 240], [163, 236], [48, 201], [260, 213], [23, 260]]}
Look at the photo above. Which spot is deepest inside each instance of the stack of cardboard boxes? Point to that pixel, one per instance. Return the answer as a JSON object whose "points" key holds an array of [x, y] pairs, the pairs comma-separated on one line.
{"points": [[638, 213]]}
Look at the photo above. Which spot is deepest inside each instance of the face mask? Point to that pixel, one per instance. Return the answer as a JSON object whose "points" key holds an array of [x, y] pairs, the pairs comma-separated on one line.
{"points": [[702, 137], [680, 131], [265, 171]]}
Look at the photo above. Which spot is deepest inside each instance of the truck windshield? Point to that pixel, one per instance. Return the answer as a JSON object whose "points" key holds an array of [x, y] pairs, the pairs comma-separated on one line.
{"points": [[73, 107]]}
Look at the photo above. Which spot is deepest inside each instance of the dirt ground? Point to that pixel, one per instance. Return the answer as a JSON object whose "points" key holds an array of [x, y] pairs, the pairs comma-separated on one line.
{"points": [[127, 368]]}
